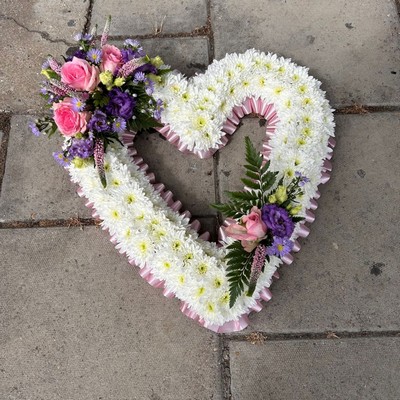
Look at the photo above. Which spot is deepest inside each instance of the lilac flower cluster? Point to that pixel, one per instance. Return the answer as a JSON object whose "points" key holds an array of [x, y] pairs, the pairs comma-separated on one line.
{"points": [[82, 148], [280, 224]]}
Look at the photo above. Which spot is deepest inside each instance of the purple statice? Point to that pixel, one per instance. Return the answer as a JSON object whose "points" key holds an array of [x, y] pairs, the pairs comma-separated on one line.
{"points": [[82, 148], [280, 247], [119, 125], [61, 158], [158, 109], [277, 220], [35, 130], [149, 87], [43, 90], [94, 55], [140, 77], [98, 122], [121, 104], [78, 104]]}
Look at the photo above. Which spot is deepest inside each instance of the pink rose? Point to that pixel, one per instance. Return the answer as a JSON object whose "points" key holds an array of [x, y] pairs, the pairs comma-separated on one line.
{"points": [[111, 58], [249, 234], [254, 224], [80, 75], [69, 121]]}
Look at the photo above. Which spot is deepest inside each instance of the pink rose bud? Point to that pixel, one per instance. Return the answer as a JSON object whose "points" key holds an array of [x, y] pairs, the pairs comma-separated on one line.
{"points": [[255, 226], [80, 75], [111, 58], [69, 121]]}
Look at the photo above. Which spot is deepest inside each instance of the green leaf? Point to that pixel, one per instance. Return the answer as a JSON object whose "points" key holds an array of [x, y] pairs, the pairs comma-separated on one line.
{"points": [[238, 270]]}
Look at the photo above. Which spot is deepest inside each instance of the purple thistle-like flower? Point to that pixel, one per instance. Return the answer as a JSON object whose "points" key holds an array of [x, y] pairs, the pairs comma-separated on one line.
{"points": [[121, 104], [78, 37], [87, 37], [35, 130], [99, 160], [54, 65], [127, 55], [280, 247], [43, 90], [98, 122], [256, 266], [94, 55], [79, 54], [61, 159], [106, 31], [149, 87], [128, 68], [82, 148], [119, 125], [78, 104], [278, 220]]}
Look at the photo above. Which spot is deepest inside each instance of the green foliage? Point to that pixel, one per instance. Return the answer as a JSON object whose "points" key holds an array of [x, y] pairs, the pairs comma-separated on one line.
{"points": [[258, 181], [238, 272], [143, 122], [100, 99]]}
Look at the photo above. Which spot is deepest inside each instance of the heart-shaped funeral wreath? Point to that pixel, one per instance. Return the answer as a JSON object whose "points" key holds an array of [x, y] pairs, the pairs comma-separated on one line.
{"points": [[102, 92]]}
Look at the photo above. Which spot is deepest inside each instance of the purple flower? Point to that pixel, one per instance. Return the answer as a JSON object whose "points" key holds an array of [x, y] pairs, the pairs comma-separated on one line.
{"points": [[150, 68], [46, 64], [132, 43], [82, 148], [78, 104], [303, 179], [140, 77], [278, 220], [280, 247], [119, 125], [80, 54], [98, 122], [127, 55], [61, 159], [149, 87], [94, 55], [34, 128], [121, 104], [158, 110]]}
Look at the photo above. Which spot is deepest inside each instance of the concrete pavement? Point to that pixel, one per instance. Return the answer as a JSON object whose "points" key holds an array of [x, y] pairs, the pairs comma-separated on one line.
{"points": [[78, 322]]}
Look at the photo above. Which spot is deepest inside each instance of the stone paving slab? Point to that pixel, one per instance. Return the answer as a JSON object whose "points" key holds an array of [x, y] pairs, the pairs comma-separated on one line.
{"points": [[188, 177], [232, 157], [78, 322], [144, 18], [350, 369], [34, 185], [188, 55], [346, 276], [20, 68], [351, 46], [55, 20]]}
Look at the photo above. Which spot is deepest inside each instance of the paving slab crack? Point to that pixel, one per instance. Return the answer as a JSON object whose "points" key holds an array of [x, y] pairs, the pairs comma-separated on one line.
{"points": [[50, 223], [225, 368], [5, 124], [262, 337], [88, 16], [43, 34]]}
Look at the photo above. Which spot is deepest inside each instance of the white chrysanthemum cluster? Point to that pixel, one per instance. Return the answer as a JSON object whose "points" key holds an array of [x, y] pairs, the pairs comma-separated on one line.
{"points": [[152, 234], [157, 237]]}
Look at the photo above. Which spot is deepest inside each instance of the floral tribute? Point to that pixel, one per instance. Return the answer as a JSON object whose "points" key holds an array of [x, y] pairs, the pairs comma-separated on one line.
{"points": [[101, 93], [265, 214], [96, 94]]}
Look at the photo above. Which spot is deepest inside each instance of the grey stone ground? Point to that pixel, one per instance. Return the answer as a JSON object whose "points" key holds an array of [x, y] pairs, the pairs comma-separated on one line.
{"points": [[78, 322]]}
